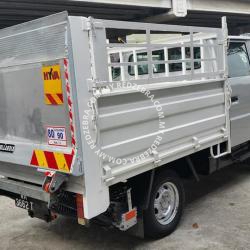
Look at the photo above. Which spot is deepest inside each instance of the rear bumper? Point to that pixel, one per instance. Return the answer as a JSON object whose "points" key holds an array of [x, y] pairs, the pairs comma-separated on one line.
{"points": [[44, 205], [25, 189]]}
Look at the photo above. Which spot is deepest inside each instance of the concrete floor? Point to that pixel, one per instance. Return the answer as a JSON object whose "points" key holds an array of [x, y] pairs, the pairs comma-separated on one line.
{"points": [[217, 216]]}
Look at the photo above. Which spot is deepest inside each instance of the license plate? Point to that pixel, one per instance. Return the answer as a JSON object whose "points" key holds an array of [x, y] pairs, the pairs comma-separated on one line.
{"points": [[24, 203]]}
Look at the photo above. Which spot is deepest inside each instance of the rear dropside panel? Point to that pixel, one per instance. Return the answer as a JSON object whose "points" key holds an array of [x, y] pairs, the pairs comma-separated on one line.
{"points": [[35, 96]]}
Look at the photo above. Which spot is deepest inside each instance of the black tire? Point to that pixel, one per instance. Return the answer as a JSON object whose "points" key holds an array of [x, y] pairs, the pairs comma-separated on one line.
{"points": [[152, 227]]}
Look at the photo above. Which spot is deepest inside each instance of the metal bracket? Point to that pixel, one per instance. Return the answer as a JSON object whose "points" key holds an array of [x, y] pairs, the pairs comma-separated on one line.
{"points": [[129, 218], [94, 119], [79, 163], [228, 95], [94, 85], [224, 131], [192, 168], [157, 159], [179, 8], [90, 24], [130, 207], [108, 173], [196, 142], [86, 26], [52, 183], [90, 84], [218, 153]]}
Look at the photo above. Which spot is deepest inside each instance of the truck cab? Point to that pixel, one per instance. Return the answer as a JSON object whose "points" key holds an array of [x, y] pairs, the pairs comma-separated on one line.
{"points": [[239, 80]]}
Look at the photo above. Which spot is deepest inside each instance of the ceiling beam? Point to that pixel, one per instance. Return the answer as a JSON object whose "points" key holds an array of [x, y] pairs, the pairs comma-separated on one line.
{"points": [[223, 6], [182, 8], [141, 3]]}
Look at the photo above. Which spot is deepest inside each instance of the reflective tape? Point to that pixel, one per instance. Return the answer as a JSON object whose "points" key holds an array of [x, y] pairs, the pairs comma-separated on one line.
{"points": [[52, 160], [70, 106]]}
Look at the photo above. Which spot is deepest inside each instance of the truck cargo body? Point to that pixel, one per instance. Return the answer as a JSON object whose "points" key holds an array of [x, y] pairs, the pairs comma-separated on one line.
{"points": [[75, 140]]}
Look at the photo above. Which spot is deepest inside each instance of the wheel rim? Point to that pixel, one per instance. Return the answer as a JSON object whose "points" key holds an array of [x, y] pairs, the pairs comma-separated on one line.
{"points": [[166, 203]]}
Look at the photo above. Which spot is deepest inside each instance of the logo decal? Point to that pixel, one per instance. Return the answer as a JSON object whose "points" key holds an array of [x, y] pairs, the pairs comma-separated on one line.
{"points": [[8, 148], [53, 94]]}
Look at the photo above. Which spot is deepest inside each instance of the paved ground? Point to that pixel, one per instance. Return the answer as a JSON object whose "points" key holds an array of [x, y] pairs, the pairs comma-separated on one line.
{"points": [[217, 216]]}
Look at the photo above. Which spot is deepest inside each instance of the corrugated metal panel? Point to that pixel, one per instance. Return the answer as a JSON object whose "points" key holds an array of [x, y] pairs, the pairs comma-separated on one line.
{"points": [[29, 42]]}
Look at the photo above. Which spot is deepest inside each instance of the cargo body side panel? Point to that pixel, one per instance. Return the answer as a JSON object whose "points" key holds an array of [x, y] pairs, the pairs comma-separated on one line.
{"points": [[194, 105]]}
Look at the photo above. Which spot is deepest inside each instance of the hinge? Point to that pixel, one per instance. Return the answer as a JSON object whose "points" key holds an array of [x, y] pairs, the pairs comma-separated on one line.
{"points": [[86, 25], [79, 164], [90, 24], [94, 85]]}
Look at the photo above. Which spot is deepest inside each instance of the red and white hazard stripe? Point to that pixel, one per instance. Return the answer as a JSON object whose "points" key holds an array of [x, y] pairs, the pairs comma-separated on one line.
{"points": [[68, 90]]}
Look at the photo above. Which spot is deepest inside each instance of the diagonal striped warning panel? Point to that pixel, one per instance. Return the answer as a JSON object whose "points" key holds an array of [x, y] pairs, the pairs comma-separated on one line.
{"points": [[52, 160], [53, 99], [53, 92]]}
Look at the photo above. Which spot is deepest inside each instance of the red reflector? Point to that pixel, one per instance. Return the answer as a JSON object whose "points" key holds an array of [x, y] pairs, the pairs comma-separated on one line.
{"points": [[46, 187], [130, 215]]}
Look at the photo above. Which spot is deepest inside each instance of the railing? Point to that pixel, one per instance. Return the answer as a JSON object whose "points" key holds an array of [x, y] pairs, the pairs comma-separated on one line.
{"points": [[124, 56]]}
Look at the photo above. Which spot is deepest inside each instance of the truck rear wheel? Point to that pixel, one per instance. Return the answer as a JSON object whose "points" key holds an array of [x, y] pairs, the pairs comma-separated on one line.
{"points": [[165, 206]]}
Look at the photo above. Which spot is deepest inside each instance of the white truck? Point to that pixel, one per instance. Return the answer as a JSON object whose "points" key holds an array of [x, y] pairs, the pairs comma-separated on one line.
{"points": [[97, 127]]}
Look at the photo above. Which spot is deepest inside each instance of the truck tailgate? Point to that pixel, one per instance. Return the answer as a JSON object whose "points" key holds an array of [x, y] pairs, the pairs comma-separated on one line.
{"points": [[36, 110]]}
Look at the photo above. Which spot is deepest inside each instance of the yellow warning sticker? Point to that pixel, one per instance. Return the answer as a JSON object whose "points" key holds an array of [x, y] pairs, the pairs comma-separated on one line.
{"points": [[53, 93]]}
